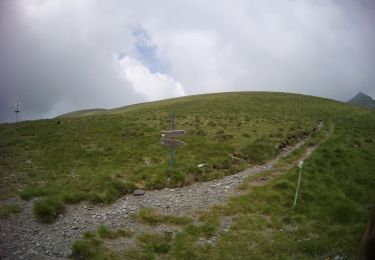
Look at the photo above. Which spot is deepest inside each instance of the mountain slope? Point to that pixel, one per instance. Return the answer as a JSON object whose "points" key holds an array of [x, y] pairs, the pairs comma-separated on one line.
{"points": [[362, 100], [98, 158], [85, 112]]}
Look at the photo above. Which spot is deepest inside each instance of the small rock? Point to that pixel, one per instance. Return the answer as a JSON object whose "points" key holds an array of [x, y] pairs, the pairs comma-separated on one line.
{"points": [[138, 192], [32, 252]]}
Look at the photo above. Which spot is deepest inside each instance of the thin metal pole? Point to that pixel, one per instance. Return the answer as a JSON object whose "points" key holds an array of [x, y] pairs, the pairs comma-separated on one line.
{"points": [[299, 183], [171, 146], [17, 110]]}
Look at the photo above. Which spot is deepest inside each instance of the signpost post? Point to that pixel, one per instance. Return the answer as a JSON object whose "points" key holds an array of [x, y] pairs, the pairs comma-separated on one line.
{"points": [[167, 138]]}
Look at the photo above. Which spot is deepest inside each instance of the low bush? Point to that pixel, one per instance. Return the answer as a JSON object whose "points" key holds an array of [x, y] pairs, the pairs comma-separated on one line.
{"points": [[46, 210]]}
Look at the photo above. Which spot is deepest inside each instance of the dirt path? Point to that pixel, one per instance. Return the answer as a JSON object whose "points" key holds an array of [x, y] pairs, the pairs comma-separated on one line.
{"points": [[21, 237]]}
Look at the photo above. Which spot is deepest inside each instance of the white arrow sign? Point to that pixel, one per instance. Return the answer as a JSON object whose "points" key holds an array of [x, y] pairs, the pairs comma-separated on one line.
{"points": [[172, 133], [171, 142]]}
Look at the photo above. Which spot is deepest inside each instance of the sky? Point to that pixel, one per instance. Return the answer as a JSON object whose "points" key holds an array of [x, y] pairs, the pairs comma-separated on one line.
{"points": [[58, 56]]}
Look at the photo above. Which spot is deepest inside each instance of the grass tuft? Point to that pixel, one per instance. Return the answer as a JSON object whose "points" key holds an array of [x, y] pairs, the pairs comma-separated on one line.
{"points": [[46, 210], [152, 216], [7, 210]]}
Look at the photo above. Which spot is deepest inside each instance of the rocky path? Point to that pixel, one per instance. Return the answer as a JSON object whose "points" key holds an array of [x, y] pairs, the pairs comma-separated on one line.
{"points": [[21, 237]]}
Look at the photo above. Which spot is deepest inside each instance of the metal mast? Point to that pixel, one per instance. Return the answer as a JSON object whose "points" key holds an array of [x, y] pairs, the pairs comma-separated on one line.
{"points": [[17, 109]]}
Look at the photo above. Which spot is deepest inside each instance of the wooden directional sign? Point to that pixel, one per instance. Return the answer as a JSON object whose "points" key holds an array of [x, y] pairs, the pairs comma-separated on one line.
{"points": [[167, 138], [171, 142], [172, 133]]}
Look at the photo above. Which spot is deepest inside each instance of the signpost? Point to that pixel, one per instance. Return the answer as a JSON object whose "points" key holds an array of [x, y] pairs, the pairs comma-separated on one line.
{"points": [[167, 138]]}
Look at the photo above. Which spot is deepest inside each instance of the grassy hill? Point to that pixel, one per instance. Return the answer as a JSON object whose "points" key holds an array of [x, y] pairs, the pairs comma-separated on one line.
{"points": [[86, 112], [102, 156]]}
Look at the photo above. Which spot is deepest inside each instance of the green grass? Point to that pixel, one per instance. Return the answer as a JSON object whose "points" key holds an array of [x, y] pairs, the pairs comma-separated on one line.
{"points": [[7, 210], [91, 246], [153, 217], [110, 153], [47, 209], [103, 156], [333, 208]]}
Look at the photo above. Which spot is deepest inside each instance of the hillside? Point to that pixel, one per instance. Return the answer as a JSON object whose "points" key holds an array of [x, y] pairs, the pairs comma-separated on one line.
{"points": [[362, 100], [102, 157], [86, 112]]}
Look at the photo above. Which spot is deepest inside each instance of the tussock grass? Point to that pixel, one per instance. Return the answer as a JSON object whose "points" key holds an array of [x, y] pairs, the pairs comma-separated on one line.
{"points": [[91, 246], [7, 210], [153, 217]]}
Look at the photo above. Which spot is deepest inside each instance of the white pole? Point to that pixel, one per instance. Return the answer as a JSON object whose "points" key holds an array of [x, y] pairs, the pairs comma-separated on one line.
{"points": [[300, 164]]}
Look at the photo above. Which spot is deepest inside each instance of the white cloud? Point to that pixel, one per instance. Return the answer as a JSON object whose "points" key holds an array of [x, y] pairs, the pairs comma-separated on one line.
{"points": [[153, 86]]}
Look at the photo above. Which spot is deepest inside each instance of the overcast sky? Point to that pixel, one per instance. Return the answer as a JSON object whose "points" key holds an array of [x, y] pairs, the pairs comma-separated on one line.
{"points": [[57, 56]]}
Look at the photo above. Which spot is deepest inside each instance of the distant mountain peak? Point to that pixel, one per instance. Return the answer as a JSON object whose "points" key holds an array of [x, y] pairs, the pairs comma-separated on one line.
{"points": [[361, 99]]}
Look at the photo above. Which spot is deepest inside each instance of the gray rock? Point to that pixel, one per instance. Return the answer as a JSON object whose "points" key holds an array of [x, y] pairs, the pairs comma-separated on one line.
{"points": [[138, 192]]}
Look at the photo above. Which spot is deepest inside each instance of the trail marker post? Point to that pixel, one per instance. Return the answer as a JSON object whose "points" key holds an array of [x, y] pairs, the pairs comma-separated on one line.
{"points": [[300, 165], [168, 138]]}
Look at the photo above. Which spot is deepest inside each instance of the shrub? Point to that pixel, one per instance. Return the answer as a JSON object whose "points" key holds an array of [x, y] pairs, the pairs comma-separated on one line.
{"points": [[86, 249], [158, 243], [46, 210]]}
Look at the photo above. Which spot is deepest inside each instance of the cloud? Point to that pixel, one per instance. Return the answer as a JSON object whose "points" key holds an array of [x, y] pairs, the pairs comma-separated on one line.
{"points": [[153, 86], [59, 56]]}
